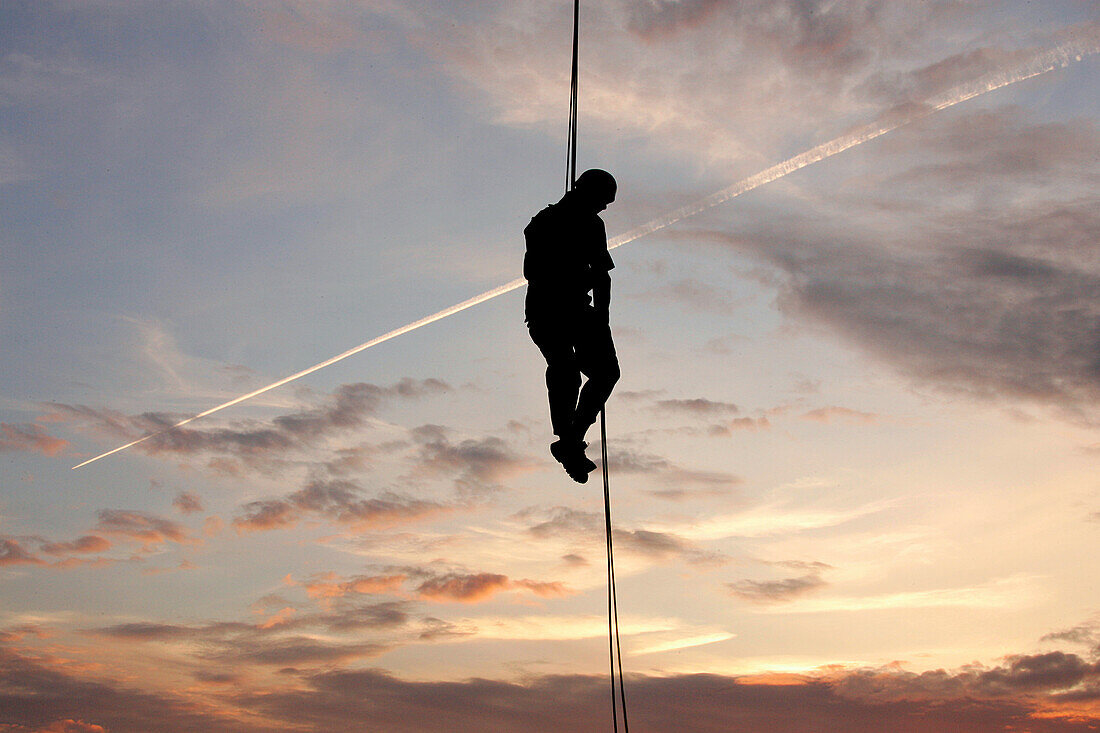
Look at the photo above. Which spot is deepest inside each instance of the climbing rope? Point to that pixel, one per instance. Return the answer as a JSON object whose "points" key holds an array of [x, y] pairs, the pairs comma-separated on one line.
{"points": [[614, 648]]}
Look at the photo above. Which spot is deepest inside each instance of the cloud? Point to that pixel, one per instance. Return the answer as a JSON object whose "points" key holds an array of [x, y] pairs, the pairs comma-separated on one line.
{"points": [[479, 465], [692, 294], [726, 85], [29, 437], [962, 254], [1042, 693], [576, 526], [858, 701], [38, 692], [284, 638], [86, 544], [148, 529], [16, 551], [339, 501], [329, 585], [344, 411], [1087, 634], [968, 268], [680, 480], [683, 642], [13, 553], [345, 618], [770, 519], [749, 423], [430, 585], [784, 590], [698, 406], [187, 503], [702, 409], [1007, 592], [20, 631], [835, 412], [58, 726], [478, 587], [462, 588], [298, 651]]}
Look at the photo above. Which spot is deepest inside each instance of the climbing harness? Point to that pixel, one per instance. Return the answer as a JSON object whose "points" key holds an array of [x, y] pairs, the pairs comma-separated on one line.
{"points": [[614, 648]]}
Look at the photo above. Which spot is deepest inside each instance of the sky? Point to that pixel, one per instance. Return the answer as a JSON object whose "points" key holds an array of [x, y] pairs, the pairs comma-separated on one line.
{"points": [[853, 453]]}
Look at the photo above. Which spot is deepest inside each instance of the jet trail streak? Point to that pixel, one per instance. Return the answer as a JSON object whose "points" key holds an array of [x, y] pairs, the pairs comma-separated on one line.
{"points": [[1086, 43]]}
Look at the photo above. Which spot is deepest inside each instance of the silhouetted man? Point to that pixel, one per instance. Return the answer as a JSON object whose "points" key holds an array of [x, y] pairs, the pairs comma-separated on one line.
{"points": [[566, 259]]}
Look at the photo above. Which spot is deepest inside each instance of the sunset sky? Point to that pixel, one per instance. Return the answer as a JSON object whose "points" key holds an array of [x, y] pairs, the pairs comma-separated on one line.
{"points": [[855, 452]]}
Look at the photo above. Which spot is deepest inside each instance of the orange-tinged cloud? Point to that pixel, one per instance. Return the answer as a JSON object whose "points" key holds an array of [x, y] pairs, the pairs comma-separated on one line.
{"points": [[463, 588], [148, 529], [278, 618], [329, 586], [551, 589], [29, 437], [477, 587], [71, 726], [835, 412], [86, 544], [12, 552]]}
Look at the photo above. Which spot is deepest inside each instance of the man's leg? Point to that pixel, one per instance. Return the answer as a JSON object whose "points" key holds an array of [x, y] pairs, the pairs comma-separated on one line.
{"points": [[598, 361], [563, 379], [563, 376]]}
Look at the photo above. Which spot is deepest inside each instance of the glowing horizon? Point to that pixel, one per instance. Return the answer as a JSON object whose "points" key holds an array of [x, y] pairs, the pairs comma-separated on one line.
{"points": [[1039, 63]]}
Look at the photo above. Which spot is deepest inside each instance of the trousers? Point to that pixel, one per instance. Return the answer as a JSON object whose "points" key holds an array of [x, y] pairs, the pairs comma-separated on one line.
{"points": [[576, 344]]}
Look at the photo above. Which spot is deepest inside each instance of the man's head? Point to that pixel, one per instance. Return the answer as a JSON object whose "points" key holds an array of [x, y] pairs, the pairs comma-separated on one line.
{"points": [[597, 188]]}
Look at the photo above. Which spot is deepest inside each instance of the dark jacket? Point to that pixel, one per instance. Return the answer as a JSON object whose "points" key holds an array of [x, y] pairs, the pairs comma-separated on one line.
{"points": [[566, 252]]}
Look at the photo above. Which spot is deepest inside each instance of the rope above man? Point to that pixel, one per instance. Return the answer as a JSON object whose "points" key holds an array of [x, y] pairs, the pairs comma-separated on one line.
{"points": [[567, 259]]}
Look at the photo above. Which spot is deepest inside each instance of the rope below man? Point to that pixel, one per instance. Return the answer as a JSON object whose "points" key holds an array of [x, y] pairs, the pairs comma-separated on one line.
{"points": [[567, 259]]}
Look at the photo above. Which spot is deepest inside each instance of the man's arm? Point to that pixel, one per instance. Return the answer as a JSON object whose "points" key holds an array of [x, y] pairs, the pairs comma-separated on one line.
{"points": [[601, 294]]}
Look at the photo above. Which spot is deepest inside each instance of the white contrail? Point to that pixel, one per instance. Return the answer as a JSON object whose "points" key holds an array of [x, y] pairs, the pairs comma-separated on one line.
{"points": [[1086, 43]]}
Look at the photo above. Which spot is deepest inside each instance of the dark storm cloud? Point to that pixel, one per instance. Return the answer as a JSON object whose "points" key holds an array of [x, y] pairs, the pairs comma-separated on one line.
{"points": [[339, 501]]}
